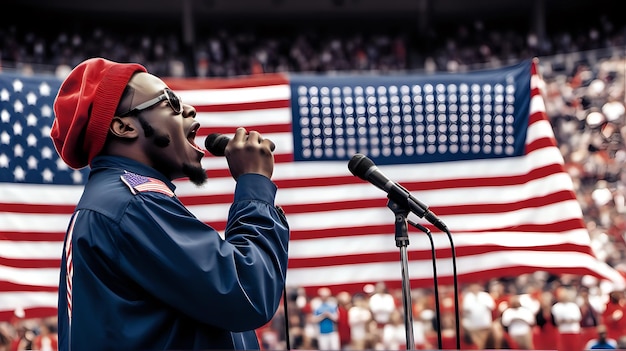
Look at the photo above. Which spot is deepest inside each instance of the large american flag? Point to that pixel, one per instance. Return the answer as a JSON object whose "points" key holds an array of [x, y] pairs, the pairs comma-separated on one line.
{"points": [[476, 147]]}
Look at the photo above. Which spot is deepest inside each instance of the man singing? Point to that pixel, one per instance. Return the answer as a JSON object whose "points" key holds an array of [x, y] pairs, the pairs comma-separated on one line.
{"points": [[139, 271]]}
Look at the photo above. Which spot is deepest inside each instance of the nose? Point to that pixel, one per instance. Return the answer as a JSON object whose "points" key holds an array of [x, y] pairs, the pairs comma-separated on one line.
{"points": [[189, 111]]}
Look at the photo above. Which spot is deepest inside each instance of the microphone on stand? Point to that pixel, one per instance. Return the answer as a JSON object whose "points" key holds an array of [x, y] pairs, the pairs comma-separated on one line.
{"points": [[364, 168]]}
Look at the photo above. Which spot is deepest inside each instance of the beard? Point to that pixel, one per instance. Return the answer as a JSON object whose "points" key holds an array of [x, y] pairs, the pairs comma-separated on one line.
{"points": [[197, 175]]}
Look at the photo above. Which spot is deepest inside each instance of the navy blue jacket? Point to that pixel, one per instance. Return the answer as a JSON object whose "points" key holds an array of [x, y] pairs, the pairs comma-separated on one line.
{"points": [[140, 272]]}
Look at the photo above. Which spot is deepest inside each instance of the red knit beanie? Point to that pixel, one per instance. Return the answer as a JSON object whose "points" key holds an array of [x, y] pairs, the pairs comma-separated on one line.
{"points": [[85, 106]]}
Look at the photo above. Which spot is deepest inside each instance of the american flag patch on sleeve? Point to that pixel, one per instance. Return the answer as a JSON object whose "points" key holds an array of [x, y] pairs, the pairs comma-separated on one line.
{"points": [[138, 183]]}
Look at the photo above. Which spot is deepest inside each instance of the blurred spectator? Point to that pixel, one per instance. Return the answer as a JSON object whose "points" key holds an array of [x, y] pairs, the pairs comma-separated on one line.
{"points": [[519, 321], [394, 335], [359, 316], [5, 337], [501, 302], [382, 304], [477, 307], [601, 342], [296, 316], [621, 343], [46, 339], [423, 319], [23, 340], [590, 314], [448, 332], [344, 300], [546, 331], [567, 317], [326, 314], [273, 333], [614, 317]]}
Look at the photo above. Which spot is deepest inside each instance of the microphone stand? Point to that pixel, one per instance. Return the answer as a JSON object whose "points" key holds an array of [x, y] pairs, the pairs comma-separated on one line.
{"points": [[402, 241], [435, 281], [412, 204], [364, 168], [420, 209]]}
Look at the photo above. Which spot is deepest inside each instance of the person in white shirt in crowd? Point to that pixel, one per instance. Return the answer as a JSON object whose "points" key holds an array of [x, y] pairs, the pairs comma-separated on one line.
{"points": [[567, 317], [519, 321], [394, 332], [382, 304], [359, 315], [477, 318]]}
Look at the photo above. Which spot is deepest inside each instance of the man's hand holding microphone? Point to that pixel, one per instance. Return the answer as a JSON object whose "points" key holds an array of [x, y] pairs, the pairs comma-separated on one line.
{"points": [[246, 152]]}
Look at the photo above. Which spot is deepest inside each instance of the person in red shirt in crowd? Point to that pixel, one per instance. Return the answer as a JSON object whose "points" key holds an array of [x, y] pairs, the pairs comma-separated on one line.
{"points": [[614, 315], [423, 316], [46, 340], [448, 322], [497, 290], [344, 300], [591, 314], [448, 333], [308, 332], [23, 340]]}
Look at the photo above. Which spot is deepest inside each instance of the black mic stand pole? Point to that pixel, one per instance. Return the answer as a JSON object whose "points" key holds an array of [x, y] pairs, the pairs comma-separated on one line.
{"points": [[402, 241], [286, 315]]}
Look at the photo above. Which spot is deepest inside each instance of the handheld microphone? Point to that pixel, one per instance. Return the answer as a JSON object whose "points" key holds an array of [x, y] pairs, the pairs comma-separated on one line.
{"points": [[216, 143], [364, 168]]}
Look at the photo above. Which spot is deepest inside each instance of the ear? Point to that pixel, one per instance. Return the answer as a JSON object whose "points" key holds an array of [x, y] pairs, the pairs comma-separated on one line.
{"points": [[123, 127]]}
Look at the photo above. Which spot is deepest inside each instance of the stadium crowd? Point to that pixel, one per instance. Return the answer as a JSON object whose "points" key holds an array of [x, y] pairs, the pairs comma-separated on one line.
{"points": [[584, 72], [305, 47]]}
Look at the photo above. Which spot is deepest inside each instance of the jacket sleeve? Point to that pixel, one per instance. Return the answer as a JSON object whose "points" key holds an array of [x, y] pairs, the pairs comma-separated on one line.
{"points": [[233, 283]]}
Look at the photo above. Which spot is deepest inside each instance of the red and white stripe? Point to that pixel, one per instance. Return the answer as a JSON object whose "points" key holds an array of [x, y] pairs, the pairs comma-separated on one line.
{"points": [[69, 266]]}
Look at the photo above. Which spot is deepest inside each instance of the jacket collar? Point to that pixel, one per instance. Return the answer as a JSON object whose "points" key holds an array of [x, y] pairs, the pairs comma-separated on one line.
{"points": [[100, 163]]}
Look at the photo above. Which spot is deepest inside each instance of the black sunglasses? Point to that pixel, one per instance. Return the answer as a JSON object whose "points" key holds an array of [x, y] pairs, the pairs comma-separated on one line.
{"points": [[172, 100]]}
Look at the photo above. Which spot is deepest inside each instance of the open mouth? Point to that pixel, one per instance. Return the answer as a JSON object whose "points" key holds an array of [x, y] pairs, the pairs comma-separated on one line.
{"points": [[191, 137]]}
